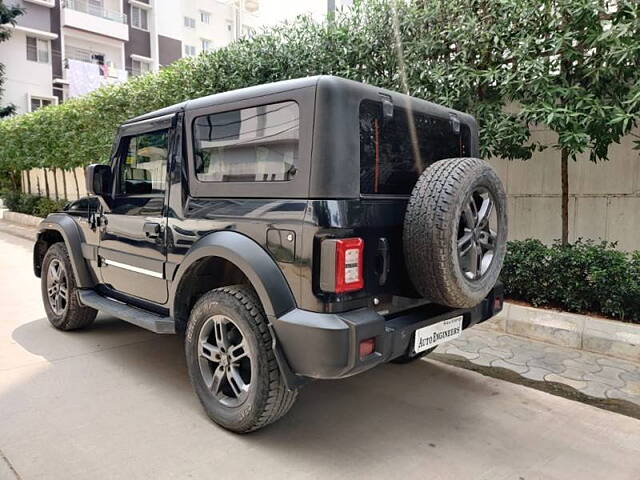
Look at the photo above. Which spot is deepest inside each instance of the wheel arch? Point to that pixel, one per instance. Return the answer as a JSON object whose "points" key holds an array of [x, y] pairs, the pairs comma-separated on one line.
{"points": [[245, 258], [59, 227]]}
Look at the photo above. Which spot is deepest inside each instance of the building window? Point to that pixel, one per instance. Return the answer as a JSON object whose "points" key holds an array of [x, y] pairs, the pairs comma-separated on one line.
{"points": [[205, 17], [37, 50], [206, 44], [139, 18], [247, 31], [189, 50], [189, 22], [96, 7], [139, 67], [37, 102]]}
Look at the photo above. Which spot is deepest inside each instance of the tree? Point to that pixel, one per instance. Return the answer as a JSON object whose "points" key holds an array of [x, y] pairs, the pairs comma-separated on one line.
{"points": [[8, 15], [579, 76]]}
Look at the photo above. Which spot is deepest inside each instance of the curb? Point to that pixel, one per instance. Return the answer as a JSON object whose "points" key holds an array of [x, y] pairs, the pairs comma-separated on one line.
{"points": [[580, 332], [21, 218]]}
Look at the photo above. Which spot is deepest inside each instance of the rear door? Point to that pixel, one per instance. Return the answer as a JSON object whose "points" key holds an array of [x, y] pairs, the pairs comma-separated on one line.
{"points": [[396, 146], [132, 251]]}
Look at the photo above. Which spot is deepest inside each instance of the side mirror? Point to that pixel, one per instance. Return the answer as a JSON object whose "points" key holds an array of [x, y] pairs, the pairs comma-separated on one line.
{"points": [[98, 179]]}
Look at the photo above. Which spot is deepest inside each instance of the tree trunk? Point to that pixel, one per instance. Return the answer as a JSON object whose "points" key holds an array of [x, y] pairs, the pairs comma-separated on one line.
{"points": [[75, 178], [46, 183], [55, 182], [38, 185], [28, 172], [64, 185], [565, 196], [15, 181]]}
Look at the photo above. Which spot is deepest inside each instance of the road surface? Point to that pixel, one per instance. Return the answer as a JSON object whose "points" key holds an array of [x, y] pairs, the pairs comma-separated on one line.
{"points": [[115, 402]]}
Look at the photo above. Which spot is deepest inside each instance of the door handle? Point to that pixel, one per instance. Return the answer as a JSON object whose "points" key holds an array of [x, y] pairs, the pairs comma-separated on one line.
{"points": [[151, 229]]}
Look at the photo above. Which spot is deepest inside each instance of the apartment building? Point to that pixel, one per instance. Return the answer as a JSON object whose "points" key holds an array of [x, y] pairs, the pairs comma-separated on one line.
{"points": [[211, 24], [61, 49]]}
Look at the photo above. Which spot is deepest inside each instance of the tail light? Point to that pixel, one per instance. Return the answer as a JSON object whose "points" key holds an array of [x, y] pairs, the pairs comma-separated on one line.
{"points": [[341, 265]]}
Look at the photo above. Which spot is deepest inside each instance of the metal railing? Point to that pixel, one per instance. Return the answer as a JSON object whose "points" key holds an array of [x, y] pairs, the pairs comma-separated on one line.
{"points": [[86, 6]]}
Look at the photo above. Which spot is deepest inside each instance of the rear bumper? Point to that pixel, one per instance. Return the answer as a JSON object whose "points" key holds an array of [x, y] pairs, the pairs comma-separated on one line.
{"points": [[324, 346]]}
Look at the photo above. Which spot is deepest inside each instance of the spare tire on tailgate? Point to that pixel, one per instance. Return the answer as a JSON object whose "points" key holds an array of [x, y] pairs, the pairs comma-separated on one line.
{"points": [[455, 232]]}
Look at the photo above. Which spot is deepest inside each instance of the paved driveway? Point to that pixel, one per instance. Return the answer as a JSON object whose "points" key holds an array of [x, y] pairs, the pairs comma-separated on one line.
{"points": [[115, 402]]}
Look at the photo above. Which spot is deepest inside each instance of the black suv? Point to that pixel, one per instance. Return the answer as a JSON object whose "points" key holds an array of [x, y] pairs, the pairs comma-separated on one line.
{"points": [[305, 229]]}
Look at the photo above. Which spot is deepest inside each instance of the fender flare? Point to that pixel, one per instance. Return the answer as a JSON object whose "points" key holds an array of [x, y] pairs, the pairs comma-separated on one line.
{"points": [[255, 263], [73, 239]]}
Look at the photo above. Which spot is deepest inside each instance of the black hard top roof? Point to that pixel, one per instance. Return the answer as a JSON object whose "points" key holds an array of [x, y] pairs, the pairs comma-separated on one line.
{"points": [[234, 96], [328, 81]]}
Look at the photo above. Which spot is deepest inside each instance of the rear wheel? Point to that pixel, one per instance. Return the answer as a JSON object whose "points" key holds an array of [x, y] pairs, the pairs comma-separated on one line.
{"points": [[58, 285], [231, 361]]}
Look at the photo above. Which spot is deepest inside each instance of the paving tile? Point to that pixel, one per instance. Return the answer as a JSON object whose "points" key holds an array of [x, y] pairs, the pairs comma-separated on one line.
{"points": [[608, 375], [579, 364], [632, 390], [631, 376], [550, 366], [595, 389], [454, 350], [485, 359], [621, 395], [509, 366], [500, 353], [535, 373], [577, 384], [615, 363], [574, 373]]}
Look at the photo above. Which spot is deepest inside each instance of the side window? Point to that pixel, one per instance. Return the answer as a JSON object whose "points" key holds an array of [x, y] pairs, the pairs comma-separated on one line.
{"points": [[143, 165], [256, 144]]}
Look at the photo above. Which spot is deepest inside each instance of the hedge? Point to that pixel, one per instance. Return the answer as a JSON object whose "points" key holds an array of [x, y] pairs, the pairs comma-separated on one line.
{"points": [[360, 45], [31, 204], [584, 277]]}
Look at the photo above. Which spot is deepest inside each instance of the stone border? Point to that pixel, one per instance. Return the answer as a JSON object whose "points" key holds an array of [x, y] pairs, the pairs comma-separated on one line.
{"points": [[571, 330], [21, 218]]}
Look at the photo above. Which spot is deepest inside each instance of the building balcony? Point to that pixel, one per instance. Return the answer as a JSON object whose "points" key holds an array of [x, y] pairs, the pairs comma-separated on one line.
{"points": [[83, 74], [82, 15]]}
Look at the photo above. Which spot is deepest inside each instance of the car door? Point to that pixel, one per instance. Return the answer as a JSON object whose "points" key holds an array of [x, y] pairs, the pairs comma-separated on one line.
{"points": [[132, 249]]}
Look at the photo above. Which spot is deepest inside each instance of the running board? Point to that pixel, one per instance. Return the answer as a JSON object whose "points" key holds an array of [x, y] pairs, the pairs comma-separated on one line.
{"points": [[150, 321]]}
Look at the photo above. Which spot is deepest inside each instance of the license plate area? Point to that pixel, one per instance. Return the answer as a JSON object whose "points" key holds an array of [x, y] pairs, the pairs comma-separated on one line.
{"points": [[433, 335]]}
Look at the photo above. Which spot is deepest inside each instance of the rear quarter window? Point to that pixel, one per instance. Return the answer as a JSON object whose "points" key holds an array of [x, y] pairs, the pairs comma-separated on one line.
{"points": [[256, 144], [395, 151]]}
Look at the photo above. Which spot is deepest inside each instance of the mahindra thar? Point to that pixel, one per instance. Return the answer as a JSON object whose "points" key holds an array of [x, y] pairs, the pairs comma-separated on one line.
{"points": [[304, 229]]}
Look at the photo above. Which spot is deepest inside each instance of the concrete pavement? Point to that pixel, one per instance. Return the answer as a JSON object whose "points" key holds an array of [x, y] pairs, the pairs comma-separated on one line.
{"points": [[115, 402]]}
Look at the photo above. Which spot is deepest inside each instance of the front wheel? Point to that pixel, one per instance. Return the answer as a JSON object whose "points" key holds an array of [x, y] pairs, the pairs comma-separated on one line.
{"points": [[231, 362], [59, 292]]}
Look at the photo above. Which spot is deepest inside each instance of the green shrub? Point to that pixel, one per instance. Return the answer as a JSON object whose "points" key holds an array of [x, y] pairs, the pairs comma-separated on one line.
{"points": [[580, 277], [31, 204]]}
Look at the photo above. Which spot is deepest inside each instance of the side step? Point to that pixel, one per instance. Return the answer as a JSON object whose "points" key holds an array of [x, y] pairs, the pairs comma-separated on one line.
{"points": [[150, 321]]}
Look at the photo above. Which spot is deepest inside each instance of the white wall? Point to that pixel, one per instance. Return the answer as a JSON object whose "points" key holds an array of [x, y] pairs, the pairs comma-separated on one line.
{"points": [[604, 198], [23, 77]]}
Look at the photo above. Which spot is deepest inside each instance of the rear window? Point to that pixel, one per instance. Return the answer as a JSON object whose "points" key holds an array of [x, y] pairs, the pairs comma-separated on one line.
{"points": [[392, 159]]}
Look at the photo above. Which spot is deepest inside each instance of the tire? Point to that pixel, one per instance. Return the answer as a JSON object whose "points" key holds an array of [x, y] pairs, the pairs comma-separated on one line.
{"points": [[406, 358], [440, 226], [242, 321], [69, 313]]}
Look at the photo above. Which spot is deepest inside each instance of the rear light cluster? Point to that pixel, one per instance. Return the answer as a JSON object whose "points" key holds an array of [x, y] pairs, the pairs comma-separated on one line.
{"points": [[341, 265]]}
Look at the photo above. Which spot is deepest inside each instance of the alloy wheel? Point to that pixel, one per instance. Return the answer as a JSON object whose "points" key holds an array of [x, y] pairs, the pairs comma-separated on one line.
{"points": [[225, 360], [477, 234], [57, 287]]}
